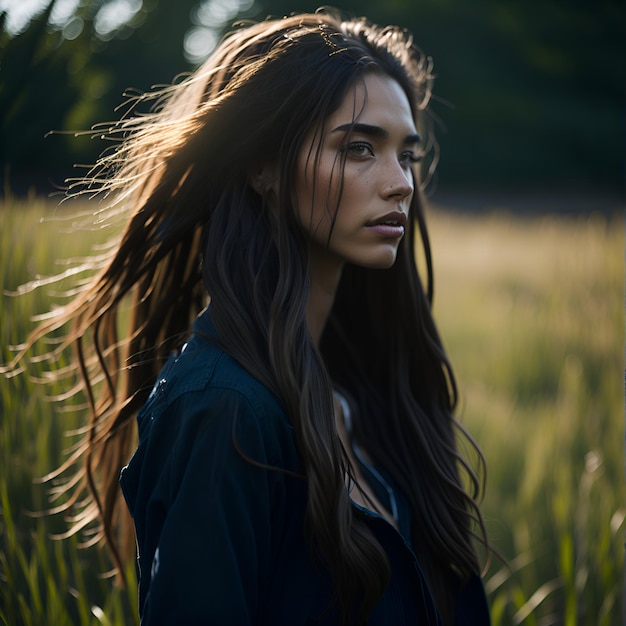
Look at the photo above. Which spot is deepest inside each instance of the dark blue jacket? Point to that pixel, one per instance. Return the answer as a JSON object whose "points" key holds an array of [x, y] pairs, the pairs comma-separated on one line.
{"points": [[220, 539]]}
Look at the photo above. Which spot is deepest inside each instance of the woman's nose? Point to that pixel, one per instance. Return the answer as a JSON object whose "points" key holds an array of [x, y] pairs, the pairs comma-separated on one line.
{"points": [[397, 182]]}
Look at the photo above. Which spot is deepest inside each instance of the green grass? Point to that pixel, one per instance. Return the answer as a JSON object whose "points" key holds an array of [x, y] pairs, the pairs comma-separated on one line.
{"points": [[531, 312], [43, 581]]}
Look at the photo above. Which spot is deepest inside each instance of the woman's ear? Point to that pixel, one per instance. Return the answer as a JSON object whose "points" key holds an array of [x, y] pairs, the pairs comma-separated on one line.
{"points": [[264, 180]]}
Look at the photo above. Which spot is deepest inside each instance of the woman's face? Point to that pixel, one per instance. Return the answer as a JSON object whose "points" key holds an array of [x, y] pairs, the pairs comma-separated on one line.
{"points": [[379, 150]]}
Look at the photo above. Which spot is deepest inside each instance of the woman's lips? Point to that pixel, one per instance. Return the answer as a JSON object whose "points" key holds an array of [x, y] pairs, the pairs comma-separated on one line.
{"points": [[390, 226]]}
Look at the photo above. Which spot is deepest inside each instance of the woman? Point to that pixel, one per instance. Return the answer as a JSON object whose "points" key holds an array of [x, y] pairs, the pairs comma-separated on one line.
{"points": [[297, 459]]}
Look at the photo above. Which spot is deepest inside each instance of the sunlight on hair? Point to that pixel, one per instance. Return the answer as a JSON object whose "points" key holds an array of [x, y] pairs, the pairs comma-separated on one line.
{"points": [[210, 17]]}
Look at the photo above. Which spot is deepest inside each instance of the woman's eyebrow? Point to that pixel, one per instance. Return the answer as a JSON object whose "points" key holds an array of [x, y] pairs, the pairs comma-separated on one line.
{"points": [[374, 131]]}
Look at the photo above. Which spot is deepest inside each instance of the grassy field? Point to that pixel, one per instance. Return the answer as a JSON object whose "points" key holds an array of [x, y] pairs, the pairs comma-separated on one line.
{"points": [[531, 311]]}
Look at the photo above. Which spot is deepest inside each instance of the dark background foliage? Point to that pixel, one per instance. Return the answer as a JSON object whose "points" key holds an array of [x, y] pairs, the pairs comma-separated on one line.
{"points": [[530, 93]]}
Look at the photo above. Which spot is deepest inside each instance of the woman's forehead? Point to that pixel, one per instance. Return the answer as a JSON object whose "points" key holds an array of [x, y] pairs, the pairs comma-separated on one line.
{"points": [[377, 100]]}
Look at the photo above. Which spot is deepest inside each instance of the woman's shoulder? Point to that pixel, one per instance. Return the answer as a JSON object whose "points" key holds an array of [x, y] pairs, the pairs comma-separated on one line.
{"points": [[204, 388], [206, 411], [205, 370]]}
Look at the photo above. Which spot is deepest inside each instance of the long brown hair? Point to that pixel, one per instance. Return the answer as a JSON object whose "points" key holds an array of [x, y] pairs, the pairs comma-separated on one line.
{"points": [[199, 231]]}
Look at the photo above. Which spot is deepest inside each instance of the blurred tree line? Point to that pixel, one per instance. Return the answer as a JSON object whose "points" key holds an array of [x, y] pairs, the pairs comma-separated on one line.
{"points": [[530, 93]]}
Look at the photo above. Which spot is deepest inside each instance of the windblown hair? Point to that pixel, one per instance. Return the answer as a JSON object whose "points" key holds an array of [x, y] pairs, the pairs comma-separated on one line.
{"points": [[198, 231]]}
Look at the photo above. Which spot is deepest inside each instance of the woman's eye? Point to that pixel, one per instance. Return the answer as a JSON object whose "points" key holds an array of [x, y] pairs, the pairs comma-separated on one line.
{"points": [[410, 157], [359, 149]]}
